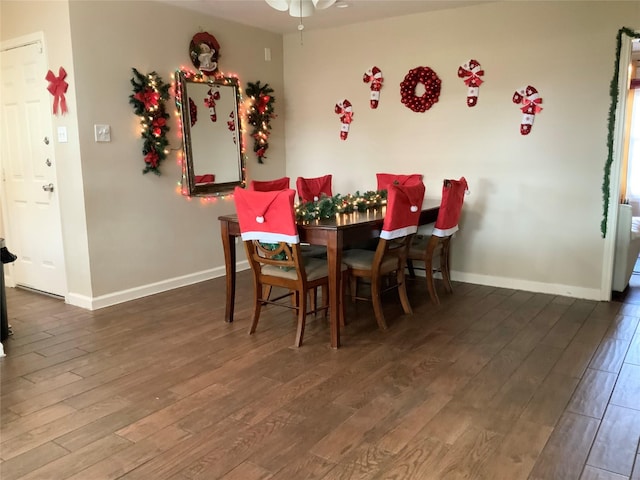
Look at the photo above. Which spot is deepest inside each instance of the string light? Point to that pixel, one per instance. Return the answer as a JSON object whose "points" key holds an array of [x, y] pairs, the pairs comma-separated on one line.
{"points": [[225, 80]]}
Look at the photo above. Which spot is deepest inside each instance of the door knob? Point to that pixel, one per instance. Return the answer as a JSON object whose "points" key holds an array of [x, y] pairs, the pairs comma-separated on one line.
{"points": [[48, 188]]}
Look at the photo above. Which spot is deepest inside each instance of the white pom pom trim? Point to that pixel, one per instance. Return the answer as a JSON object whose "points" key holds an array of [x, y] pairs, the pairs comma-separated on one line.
{"points": [[315, 199], [414, 208], [260, 219]]}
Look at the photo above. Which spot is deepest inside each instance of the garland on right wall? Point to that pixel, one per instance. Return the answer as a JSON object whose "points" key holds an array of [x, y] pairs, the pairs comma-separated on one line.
{"points": [[615, 92]]}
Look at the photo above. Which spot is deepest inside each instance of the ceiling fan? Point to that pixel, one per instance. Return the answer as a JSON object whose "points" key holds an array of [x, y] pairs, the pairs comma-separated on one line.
{"points": [[300, 8]]}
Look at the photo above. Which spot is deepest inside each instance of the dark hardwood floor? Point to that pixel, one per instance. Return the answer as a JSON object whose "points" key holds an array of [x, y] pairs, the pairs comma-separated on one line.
{"points": [[492, 384]]}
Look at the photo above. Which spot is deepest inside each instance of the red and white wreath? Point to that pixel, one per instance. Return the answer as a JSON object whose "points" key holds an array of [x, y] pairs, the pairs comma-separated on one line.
{"points": [[415, 77]]}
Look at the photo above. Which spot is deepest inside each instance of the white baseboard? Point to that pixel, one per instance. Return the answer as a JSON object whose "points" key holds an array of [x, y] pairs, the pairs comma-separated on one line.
{"points": [[529, 286], [115, 298], [518, 284]]}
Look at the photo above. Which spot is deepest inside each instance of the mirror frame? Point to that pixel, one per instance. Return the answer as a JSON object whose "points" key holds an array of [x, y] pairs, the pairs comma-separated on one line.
{"points": [[214, 189]]}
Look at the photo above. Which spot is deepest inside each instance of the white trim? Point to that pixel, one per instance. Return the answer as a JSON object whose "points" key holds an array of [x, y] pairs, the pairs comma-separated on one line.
{"points": [[398, 232], [269, 237], [529, 286], [445, 233], [608, 253], [122, 296]]}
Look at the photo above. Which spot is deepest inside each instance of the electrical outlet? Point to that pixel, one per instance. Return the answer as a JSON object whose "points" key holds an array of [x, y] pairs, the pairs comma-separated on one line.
{"points": [[102, 133]]}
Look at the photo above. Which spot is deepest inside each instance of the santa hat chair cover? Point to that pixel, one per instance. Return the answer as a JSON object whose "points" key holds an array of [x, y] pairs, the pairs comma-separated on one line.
{"points": [[453, 192], [404, 203], [312, 189], [386, 179], [266, 216], [270, 185]]}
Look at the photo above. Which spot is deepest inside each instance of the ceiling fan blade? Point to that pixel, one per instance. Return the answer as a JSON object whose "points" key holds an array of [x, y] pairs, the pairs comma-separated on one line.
{"points": [[282, 5], [301, 8], [322, 4]]}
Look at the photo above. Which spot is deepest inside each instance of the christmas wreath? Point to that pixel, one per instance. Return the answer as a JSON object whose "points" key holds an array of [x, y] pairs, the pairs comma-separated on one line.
{"points": [[259, 116], [431, 83], [148, 97]]}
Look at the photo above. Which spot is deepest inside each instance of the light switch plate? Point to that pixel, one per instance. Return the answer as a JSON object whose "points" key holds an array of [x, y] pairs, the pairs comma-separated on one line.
{"points": [[102, 132], [62, 135]]}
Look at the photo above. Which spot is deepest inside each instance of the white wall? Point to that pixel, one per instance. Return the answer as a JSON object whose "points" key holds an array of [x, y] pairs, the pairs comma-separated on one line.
{"points": [[20, 18], [532, 220], [142, 236]]}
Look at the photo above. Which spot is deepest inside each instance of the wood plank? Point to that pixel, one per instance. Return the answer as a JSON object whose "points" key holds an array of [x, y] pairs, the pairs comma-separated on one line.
{"points": [[592, 395], [627, 390], [592, 473]]}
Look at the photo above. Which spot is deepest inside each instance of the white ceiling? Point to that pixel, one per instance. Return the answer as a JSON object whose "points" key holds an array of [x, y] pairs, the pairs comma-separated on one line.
{"points": [[257, 13]]}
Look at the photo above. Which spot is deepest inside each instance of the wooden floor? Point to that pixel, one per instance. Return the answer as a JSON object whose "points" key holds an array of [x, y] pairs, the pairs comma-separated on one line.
{"points": [[493, 384]]}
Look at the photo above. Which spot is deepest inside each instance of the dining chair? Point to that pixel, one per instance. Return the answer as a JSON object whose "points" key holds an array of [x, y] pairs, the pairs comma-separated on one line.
{"points": [[269, 232], [404, 203], [386, 179], [437, 243], [269, 185], [312, 189]]}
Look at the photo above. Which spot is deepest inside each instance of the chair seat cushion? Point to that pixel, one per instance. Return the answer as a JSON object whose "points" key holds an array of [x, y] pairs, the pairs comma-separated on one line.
{"points": [[317, 251], [315, 268], [363, 260]]}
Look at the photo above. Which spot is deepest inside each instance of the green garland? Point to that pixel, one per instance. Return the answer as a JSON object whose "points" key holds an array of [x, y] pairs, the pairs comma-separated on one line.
{"points": [[148, 97], [615, 92], [328, 207], [259, 116]]}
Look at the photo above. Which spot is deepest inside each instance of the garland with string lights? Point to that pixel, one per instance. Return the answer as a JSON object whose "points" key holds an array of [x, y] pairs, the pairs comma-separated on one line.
{"points": [[148, 97], [328, 207], [614, 92], [259, 116]]}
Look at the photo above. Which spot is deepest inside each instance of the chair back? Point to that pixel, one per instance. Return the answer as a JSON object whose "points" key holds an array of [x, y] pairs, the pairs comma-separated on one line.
{"points": [[404, 203], [266, 216], [453, 192], [386, 179], [311, 189], [269, 185]]}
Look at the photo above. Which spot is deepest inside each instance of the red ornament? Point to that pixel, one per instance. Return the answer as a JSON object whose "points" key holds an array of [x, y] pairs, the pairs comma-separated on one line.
{"points": [[431, 83]]}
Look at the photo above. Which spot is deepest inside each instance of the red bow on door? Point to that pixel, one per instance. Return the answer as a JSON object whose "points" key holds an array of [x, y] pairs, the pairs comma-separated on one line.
{"points": [[58, 87]]}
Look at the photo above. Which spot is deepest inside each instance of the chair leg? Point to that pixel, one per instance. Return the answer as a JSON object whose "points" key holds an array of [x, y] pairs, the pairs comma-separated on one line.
{"points": [[353, 288], [444, 266], [257, 306], [302, 315], [376, 298], [402, 291], [325, 300], [428, 266], [266, 292]]}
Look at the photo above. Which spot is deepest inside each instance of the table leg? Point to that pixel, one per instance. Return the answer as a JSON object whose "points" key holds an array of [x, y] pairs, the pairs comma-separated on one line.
{"points": [[334, 259], [229, 248]]}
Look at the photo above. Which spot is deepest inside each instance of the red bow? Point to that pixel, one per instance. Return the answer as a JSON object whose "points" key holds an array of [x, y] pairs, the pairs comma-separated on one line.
{"points": [[58, 87], [531, 107], [148, 97], [473, 79], [345, 111], [152, 158]]}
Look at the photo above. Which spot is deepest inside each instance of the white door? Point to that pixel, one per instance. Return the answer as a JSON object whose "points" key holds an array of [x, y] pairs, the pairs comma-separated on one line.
{"points": [[33, 229]]}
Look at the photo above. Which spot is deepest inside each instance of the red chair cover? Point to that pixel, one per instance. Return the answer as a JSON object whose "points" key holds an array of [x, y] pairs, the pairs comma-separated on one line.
{"points": [[266, 216], [270, 185], [404, 203], [386, 179], [450, 207], [311, 189]]}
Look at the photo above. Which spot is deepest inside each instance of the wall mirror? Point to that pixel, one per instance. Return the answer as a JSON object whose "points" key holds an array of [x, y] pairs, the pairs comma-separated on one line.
{"points": [[213, 163]]}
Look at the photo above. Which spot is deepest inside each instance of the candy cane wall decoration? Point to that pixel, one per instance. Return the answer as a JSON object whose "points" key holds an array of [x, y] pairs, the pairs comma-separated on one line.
{"points": [[471, 73], [374, 75], [345, 110], [530, 99], [210, 101]]}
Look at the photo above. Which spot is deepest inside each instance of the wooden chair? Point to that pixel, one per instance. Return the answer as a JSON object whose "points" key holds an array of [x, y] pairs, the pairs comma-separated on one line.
{"points": [[269, 185], [386, 179], [268, 229], [404, 203], [426, 248], [312, 189]]}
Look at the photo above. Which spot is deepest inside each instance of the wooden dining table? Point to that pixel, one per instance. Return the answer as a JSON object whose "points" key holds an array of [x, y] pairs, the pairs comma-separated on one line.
{"points": [[343, 230]]}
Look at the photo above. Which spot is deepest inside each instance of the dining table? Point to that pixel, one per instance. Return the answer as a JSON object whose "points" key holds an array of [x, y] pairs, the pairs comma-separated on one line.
{"points": [[336, 233]]}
